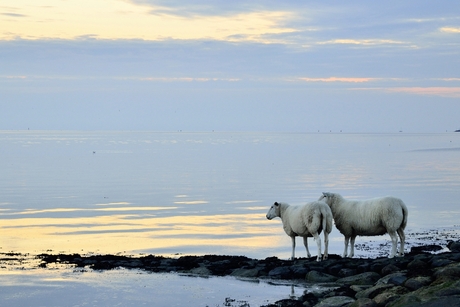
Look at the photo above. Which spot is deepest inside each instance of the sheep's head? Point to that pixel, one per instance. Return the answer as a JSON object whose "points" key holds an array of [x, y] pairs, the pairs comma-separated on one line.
{"points": [[274, 211], [326, 197]]}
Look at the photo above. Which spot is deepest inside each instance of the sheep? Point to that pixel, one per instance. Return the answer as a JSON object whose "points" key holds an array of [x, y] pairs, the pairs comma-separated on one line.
{"points": [[305, 221], [372, 217]]}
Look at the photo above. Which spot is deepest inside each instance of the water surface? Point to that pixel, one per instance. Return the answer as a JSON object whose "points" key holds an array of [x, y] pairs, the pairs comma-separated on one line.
{"points": [[201, 193]]}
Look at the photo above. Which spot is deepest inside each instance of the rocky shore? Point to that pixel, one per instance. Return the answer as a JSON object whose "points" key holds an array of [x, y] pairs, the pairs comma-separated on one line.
{"points": [[420, 278]]}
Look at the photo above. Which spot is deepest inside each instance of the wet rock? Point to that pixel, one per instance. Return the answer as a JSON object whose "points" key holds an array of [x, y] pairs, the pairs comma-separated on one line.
{"points": [[417, 279], [368, 278], [363, 302], [201, 271], [417, 282], [247, 273], [373, 291], [389, 295], [389, 269], [450, 271], [299, 271], [425, 248], [397, 279], [336, 301], [280, 273], [286, 303], [454, 246], [319, 277], [346, 272]]}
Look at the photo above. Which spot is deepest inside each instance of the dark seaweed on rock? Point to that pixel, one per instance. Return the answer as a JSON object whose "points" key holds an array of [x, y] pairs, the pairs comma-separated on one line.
{"points": [[420, 278]]}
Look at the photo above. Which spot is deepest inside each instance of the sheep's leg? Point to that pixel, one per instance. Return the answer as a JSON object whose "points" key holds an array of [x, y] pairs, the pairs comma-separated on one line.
{"points": [[318, 244], [305, 242], [293, 248], [352, 247], [326, 245], [402, 237], [394, 243], [347, 239]]}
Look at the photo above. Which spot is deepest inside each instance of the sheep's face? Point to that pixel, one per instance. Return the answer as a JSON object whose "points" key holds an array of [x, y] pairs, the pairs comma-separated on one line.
{"points": [[326, 197], [274, 211]]}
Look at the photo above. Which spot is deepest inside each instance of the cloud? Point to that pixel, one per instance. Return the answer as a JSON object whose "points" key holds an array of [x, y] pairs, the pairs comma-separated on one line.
{"points": [[339, 79], [447, 92], [362, 42], [13, 15], [451, 92], [450, 29]]}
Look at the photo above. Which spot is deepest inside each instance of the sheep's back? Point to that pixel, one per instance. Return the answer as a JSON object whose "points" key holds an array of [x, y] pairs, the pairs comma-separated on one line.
{"points": [[368, 217]]}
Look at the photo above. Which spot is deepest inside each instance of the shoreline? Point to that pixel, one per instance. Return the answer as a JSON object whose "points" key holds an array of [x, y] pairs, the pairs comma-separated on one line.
{"points": [[422, 277]]}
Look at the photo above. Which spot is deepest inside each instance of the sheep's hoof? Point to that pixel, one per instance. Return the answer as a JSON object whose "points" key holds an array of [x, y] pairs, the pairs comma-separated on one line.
{"points": [[318, 259]]}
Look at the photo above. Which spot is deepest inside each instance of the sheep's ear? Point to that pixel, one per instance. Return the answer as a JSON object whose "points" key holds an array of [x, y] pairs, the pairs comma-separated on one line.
{"points": [[276, 203]]}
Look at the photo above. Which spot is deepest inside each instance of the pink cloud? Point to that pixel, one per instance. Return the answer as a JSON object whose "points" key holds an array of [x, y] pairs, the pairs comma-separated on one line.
{"points": [[453, 92], [338, 79]]}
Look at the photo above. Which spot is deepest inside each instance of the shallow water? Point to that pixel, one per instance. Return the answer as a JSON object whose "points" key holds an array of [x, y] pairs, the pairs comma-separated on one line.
{"points": [[121, 287], [208, 193], [198, 193]]}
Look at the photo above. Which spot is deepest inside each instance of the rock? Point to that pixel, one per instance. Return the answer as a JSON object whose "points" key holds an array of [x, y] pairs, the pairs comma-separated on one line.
{"points": [[389, 295], [299, 271], [318, 277], [454, 246], [201, 271], [336, 301], [284, 303], [363, 302], [373, 291], [368, 278], [451, 271], [417, 282], [425, 248], [417, 265], [248, 273], [358, 288], [440, 262], [280, 272], [397, 279], [389, 269], [347, 272]]}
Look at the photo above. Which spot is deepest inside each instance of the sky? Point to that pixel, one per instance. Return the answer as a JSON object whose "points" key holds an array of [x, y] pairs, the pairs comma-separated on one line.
{"points": [[201, 65]]}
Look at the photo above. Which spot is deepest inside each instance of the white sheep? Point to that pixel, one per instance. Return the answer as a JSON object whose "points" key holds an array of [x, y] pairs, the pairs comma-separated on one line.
{"points": [[372, 217], [305, 221]]}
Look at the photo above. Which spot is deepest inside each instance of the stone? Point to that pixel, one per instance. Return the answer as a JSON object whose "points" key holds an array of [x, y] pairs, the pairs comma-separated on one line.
{"points": [[318, 277], [335, 301], [363, 302], [373, 291], [249, 273], [425, 248], [389, 269], [201, 271], [385, 298], [452, 271], [280, 272], [417, 282], [347, 272], [397, 280], [454, 246], [368, 278]]}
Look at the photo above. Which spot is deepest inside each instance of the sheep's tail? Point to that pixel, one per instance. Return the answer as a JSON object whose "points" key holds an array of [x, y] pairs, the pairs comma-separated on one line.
{"points": [[327, 224], [405, 214]]}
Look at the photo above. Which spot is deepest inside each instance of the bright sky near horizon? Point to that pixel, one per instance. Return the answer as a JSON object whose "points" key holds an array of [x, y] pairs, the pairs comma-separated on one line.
{"points": [[356, 66]]}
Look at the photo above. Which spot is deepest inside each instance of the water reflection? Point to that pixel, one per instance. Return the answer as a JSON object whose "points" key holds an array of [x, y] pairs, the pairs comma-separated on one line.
{"points": [[196, 193]]}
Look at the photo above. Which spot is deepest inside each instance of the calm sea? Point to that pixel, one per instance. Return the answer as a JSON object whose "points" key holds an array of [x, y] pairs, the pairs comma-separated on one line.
{"points": [[202, 193]]}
